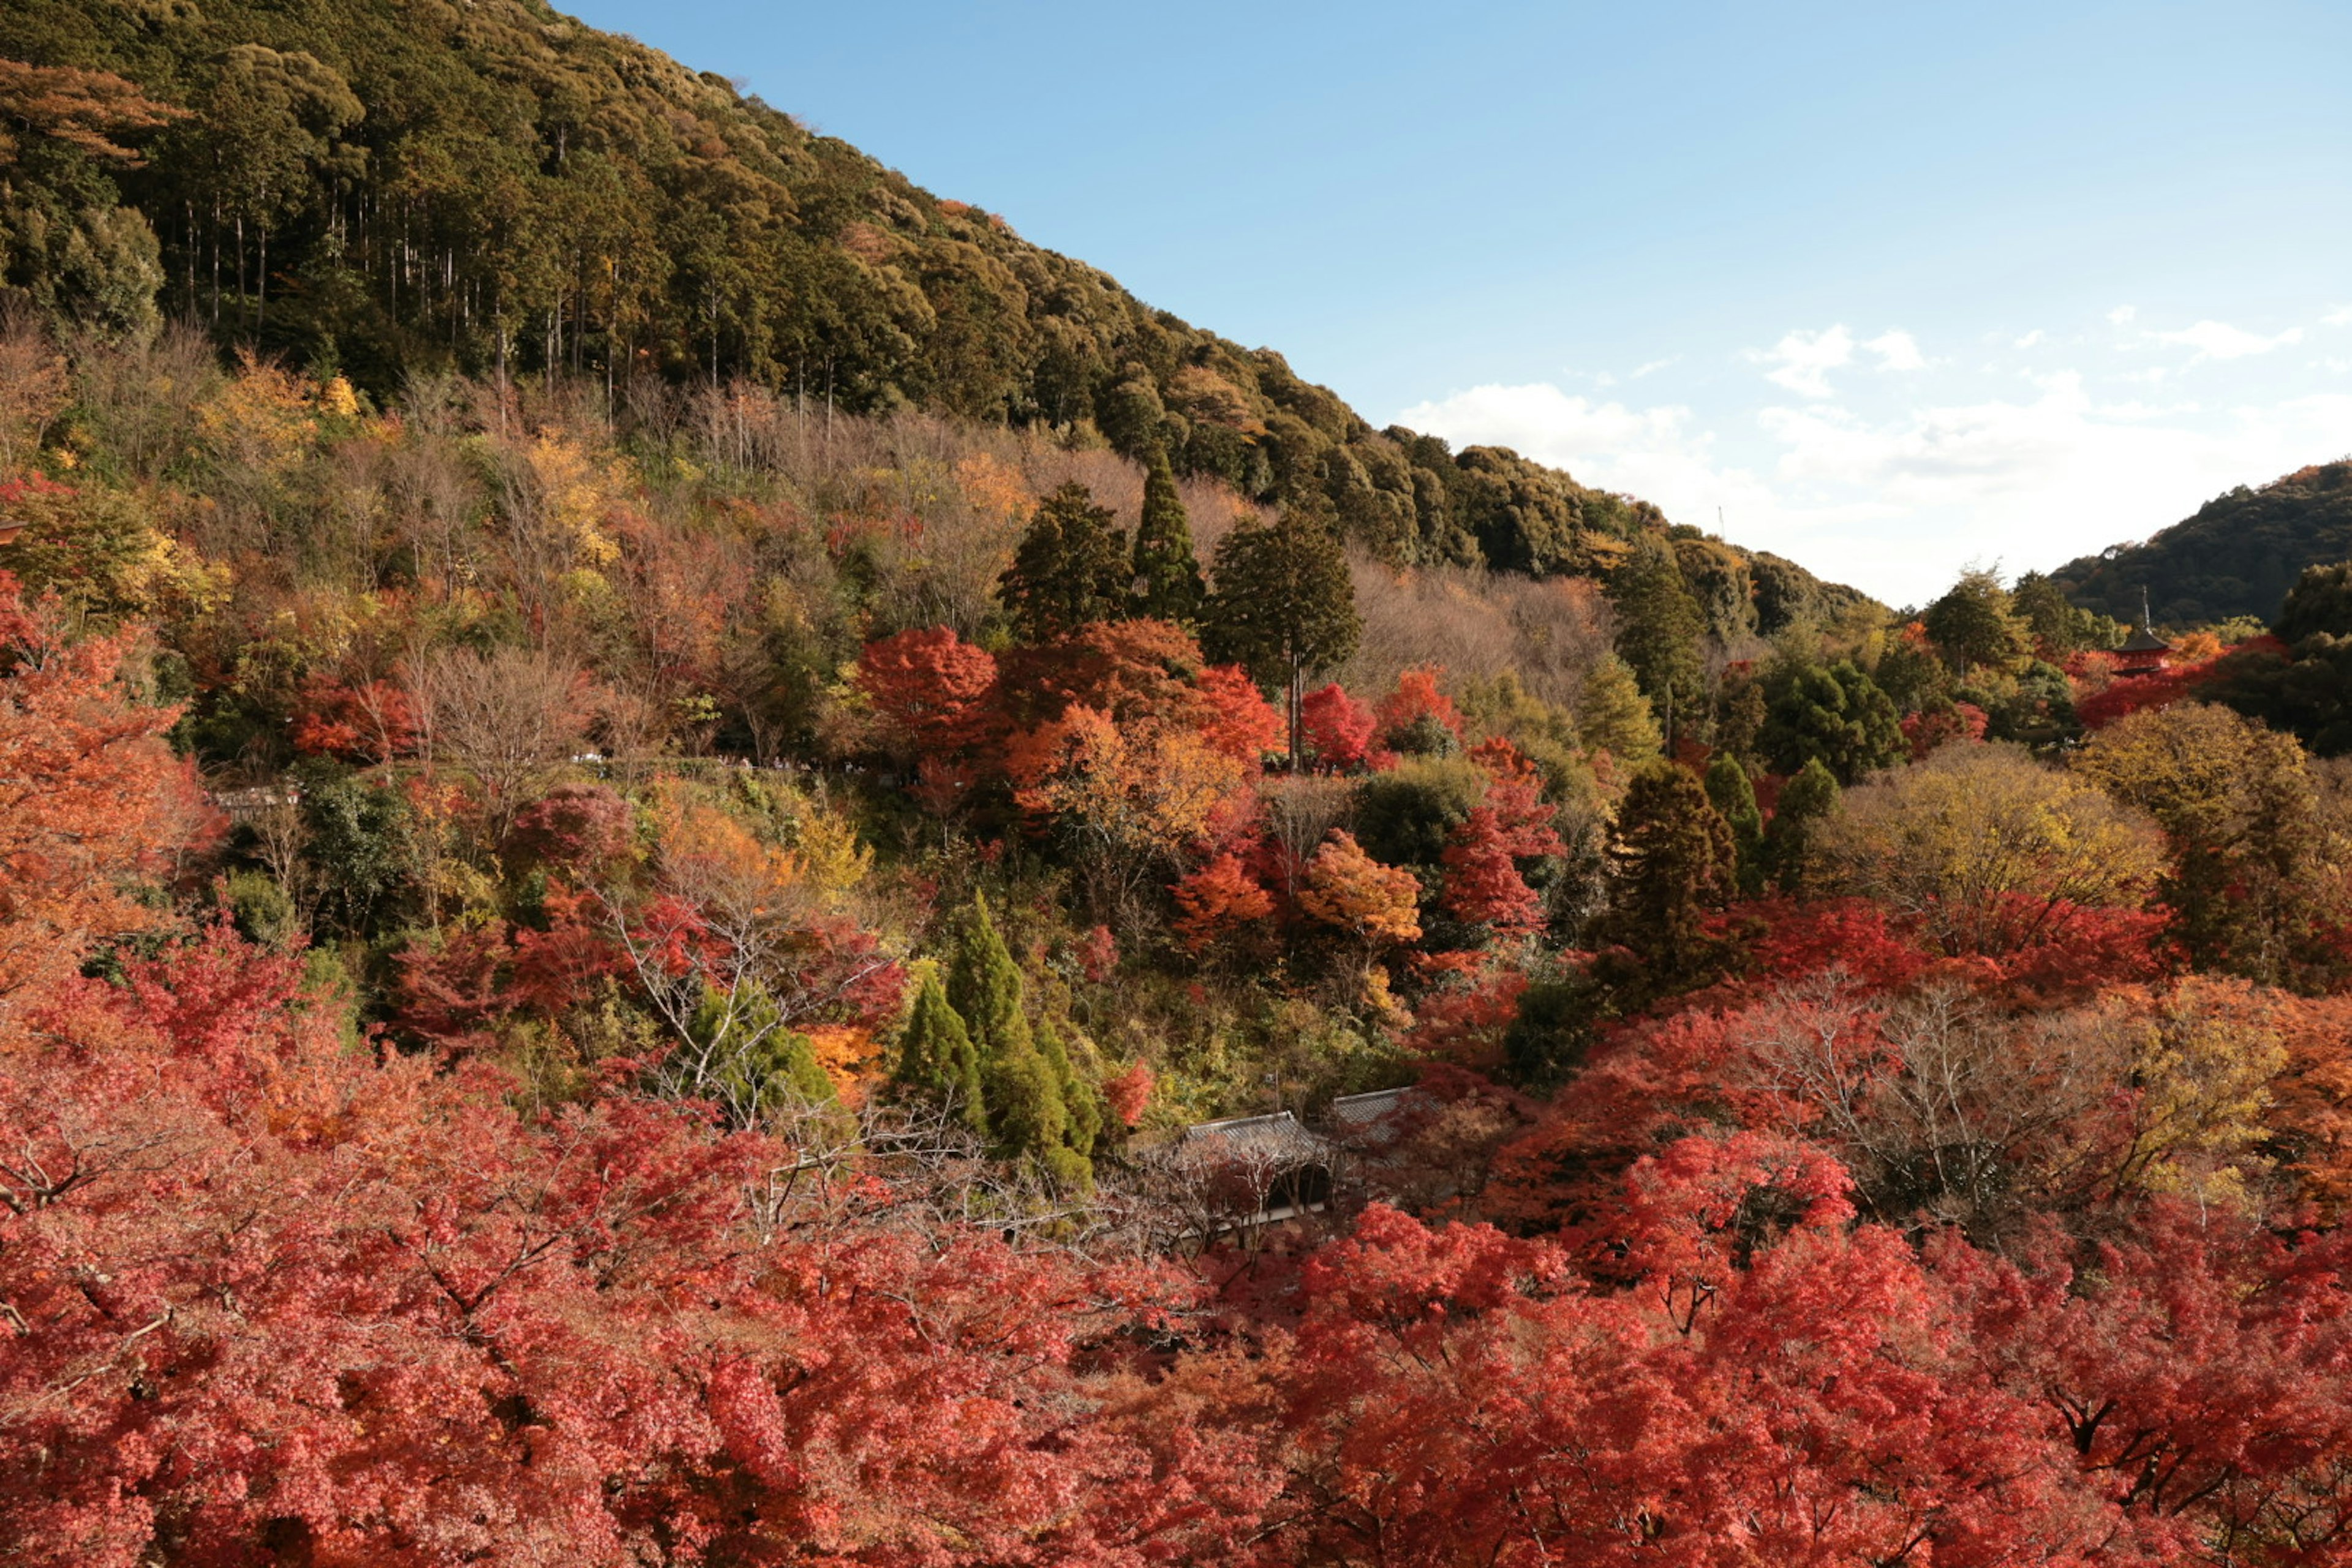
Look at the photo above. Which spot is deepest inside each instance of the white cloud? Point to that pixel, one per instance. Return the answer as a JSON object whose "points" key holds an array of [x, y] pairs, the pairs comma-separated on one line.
{"points": [[2028, 339], [2339, 317], [1898, 506], [1654, 366], [1897, 351], [2122, 315], [1805, 359], [2219, 339]]}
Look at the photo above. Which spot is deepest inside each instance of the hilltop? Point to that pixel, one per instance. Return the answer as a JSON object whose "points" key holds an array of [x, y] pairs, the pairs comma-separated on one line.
{"points": [[2237, 556], [390, 189]]}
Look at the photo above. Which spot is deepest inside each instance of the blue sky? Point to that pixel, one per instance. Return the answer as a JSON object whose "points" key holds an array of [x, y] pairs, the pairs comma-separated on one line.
{"points": [[1897, 289]]}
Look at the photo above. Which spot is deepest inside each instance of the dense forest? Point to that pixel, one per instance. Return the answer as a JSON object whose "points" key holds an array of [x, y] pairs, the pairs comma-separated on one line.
{"points": [[386, 189], [2231, 562], [848, 901]]}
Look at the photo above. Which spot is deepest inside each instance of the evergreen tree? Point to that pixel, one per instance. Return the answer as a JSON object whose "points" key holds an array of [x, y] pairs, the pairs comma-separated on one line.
{"points": [[1070, 570], [1285, 604], [1018, 1086], [1168, 583], [1659, 626], [1733, 795], [1975, 623], [936, 1056], [1612, 714], [1806, 802], [1081, 1100], [1834, 713], [1671, 861], [759, 1066]]}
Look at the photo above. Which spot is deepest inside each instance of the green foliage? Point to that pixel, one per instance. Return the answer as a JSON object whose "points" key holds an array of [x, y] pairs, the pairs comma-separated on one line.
{"points": [[357, 841], [1404, 815], [264, 912], [1671, 863], [2239, 555], [2058, 627], [1553, 1029], [763, 1065], [1285, 604], [1975, 624], [2320, 604], [1806, 802], [1612, 714], [1733, 794], [1659, 626], [1168, 583], [936, 1057], [1070, 570], [1831, 713]]}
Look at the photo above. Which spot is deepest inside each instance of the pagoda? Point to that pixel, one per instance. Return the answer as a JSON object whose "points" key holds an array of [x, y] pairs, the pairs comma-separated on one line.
{"points": [[2144, 652]]}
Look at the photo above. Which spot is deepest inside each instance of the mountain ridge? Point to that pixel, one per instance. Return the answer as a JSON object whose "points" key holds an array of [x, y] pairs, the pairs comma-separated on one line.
{"points": [[499, 188]]}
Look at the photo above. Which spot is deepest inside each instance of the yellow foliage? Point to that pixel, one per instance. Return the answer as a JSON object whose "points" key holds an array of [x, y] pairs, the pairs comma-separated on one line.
{"points": [[263, 418], [2204, 1058], [574, 493]]}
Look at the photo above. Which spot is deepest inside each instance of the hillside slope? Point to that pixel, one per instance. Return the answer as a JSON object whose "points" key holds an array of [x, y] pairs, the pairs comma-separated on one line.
{"points": [[401, 186], [2237, 556]]}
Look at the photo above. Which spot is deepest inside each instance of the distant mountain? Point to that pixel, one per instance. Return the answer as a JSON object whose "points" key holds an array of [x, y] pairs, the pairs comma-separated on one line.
{"points": [[406, 186], [2238, 556]]}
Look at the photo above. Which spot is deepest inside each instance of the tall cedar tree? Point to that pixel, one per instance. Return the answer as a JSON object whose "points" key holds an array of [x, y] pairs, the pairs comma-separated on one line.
{"points": [[936, 1056], [1659, 626], [1285, 604], [1670, 862], [1019, 1089], [1733, 794], [1070, 570], [1168, 583], [1806, 802]]}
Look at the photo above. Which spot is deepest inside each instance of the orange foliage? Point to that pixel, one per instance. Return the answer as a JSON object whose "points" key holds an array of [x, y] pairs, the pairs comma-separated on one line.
{"points": [[91, 800], [1217, 899], [1345, 888]]}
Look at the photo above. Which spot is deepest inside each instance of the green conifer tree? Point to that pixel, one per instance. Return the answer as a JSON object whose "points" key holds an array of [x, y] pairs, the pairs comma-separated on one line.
{"points": [[1659, 625], [1081, 1098], [936, 1060], [1070, 570], [1806, 802], [1168, 583], [1671, 862], [1285, 605], [758, 1065], [1018, 1086], [1733, 794], [1612, 714], [1834, 713]]}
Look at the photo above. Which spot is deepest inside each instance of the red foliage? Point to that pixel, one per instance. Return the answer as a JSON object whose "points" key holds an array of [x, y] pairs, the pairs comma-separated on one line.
{"points": [[1128, 1092], [1338, 728], [573, 828], [1217, 900], [1928, 729], [2128, 694], [1241, 722], [372, 723], [1514, 794], [934, 689], [1416, 697], [1482, 887]]}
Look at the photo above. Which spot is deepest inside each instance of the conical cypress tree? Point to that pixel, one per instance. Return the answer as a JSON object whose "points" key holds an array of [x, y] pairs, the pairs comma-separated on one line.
{"points": [[1734, 795], [1081, 1101], [936, 1056], [1069, 569], [1018, 1086], [1670, 862], [1168, 574]]}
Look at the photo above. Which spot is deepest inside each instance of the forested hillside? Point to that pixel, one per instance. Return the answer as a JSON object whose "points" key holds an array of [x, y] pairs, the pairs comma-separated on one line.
{"points": [[388, 188], [2235, 559], [797, 889]]}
